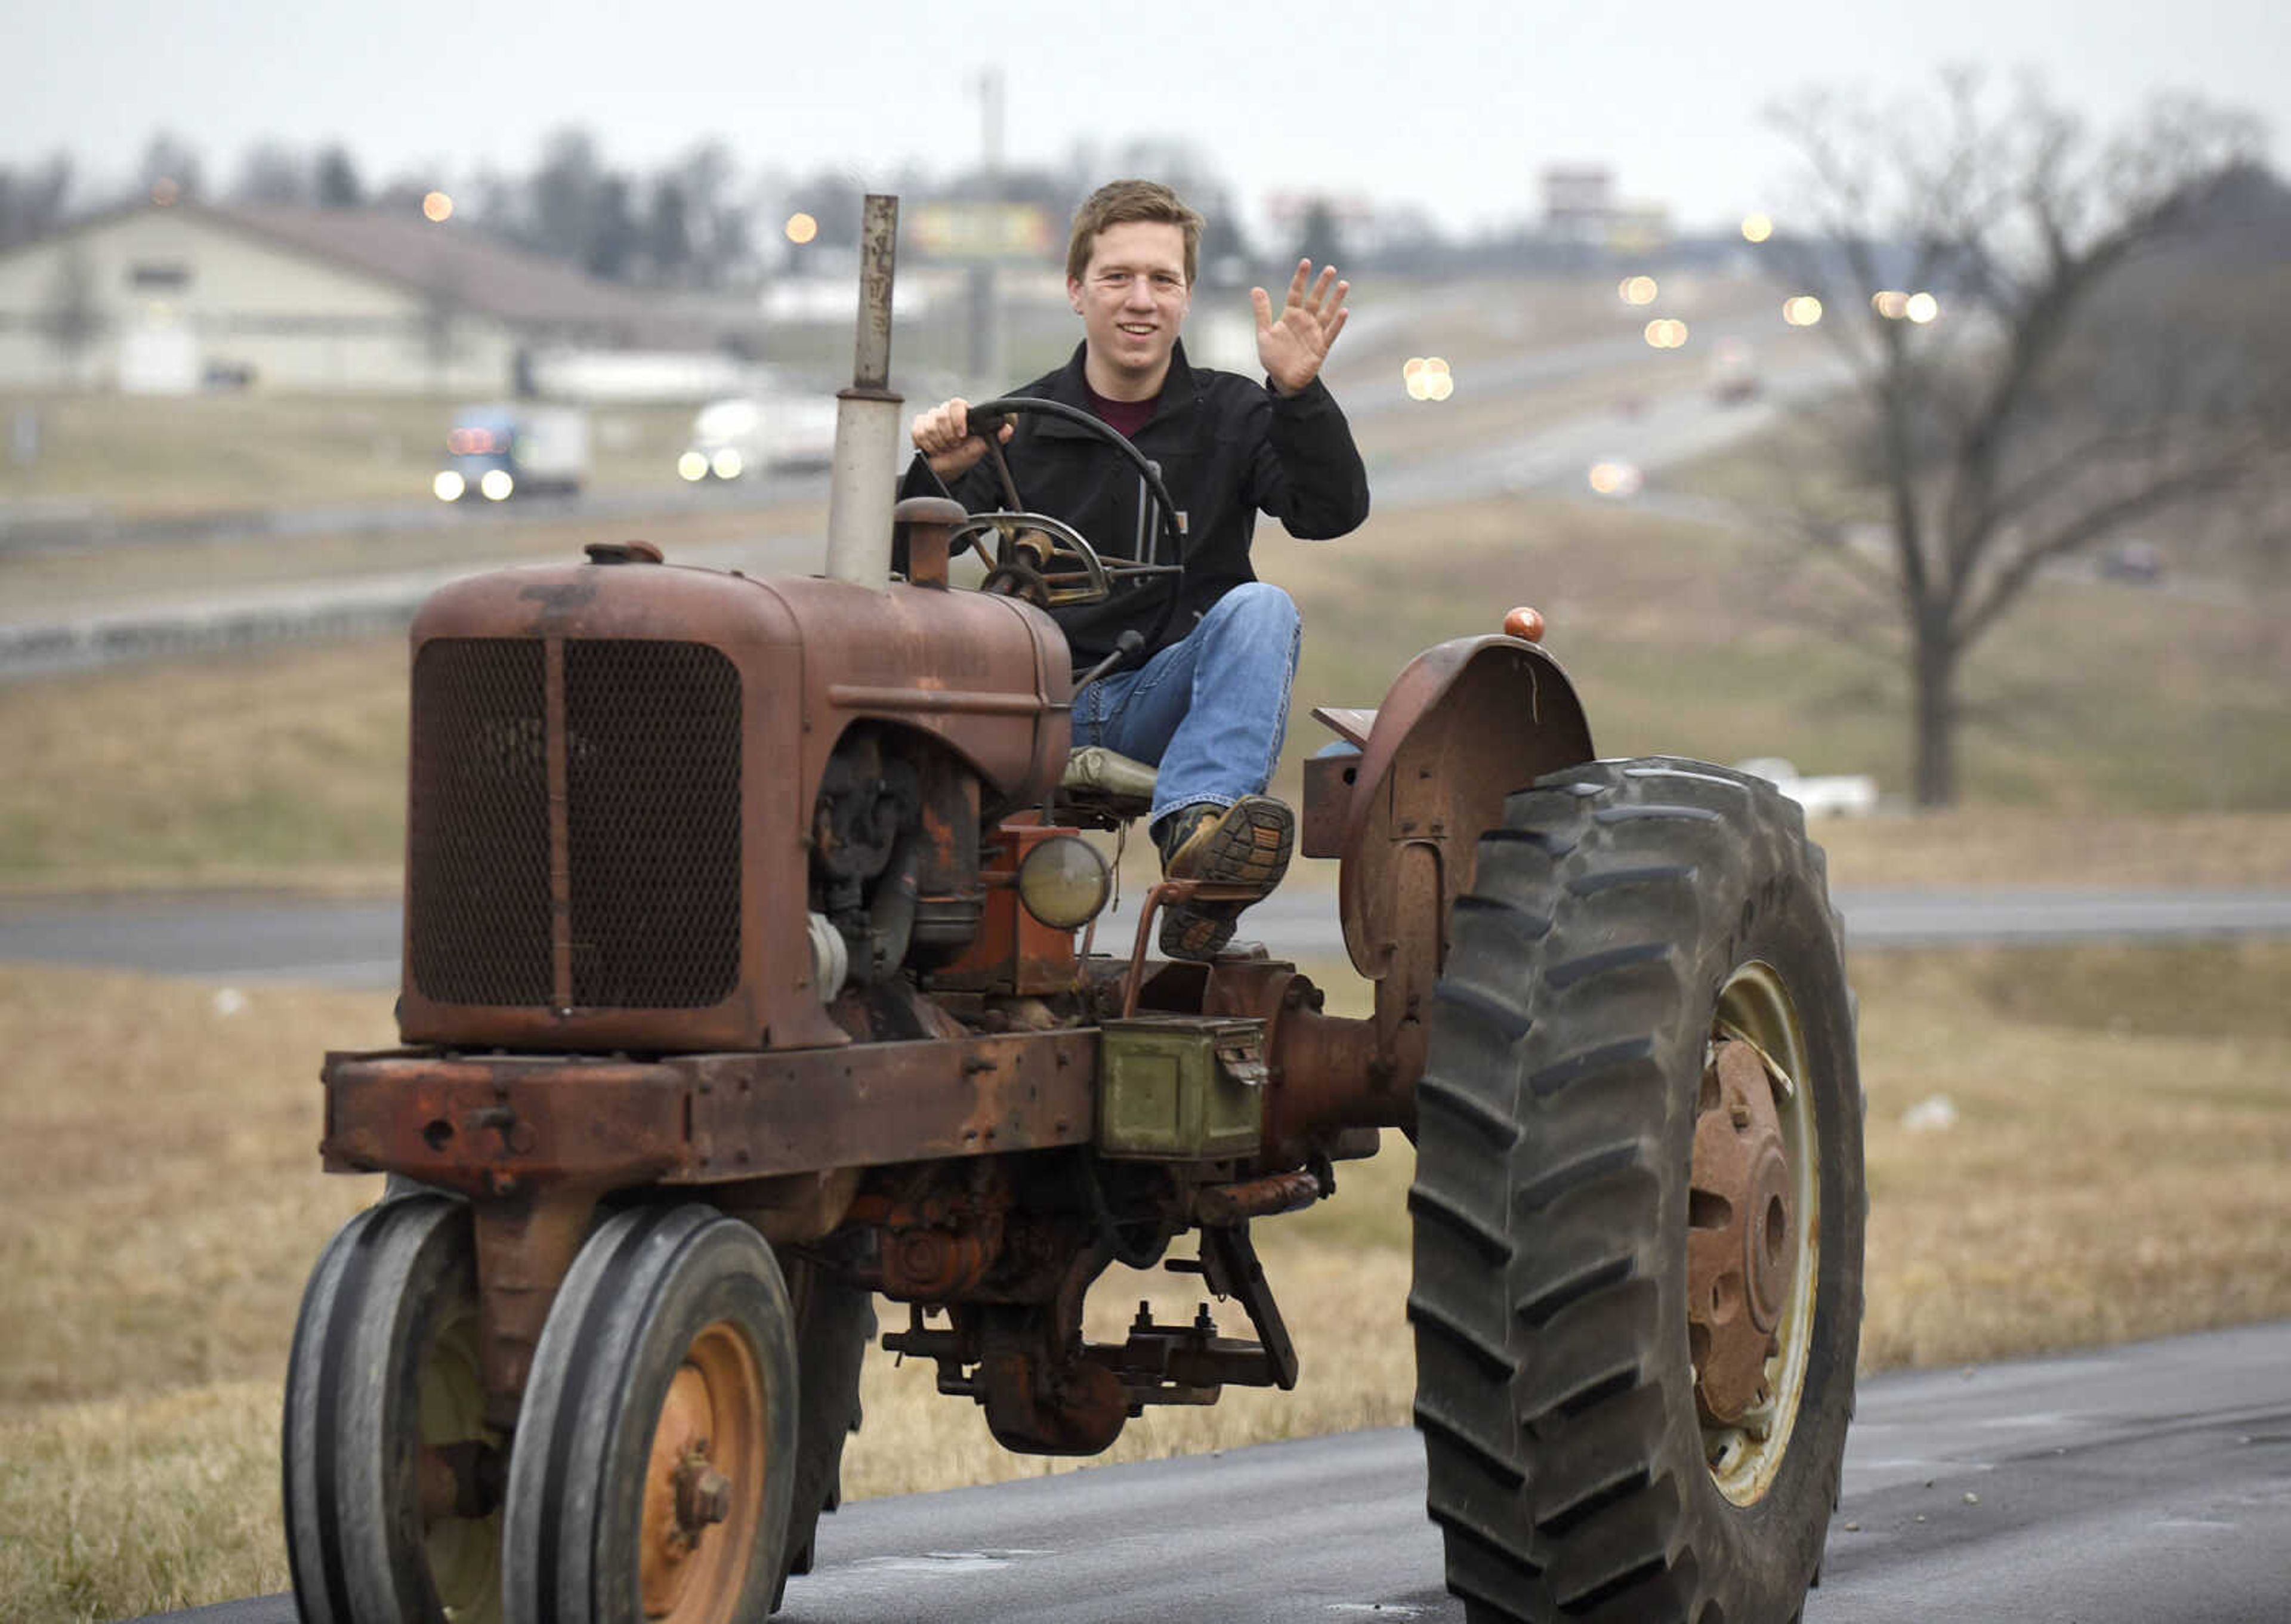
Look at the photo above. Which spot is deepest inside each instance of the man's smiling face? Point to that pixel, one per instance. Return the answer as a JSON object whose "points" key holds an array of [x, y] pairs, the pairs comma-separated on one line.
{"points": [[1132, 300]]}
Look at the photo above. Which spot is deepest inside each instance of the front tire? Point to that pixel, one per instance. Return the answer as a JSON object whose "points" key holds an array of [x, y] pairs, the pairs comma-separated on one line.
{"points": [[383, 1373], [654, 1456], [1638, 1206]]}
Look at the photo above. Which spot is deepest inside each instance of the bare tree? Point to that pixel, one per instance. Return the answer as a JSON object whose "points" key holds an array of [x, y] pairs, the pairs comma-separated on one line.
{"points": [[33, 198], [1318, 237], [563, 196], [709, 179], [171, 168], [2009, 415], [336, 181], [667, 234], [1226, 254], [272, 173]]}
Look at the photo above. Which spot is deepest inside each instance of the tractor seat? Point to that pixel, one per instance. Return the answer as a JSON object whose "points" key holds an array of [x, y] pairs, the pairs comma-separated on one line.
{"points": [[1102, 790]]}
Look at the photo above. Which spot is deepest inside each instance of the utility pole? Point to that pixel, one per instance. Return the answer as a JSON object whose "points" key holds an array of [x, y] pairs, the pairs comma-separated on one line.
{"points": [[990, 107], [986, 298]]}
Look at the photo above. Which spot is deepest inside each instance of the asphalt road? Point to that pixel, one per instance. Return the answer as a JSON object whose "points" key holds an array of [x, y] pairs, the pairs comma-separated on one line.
{"points": [[355, 944], [2141, 1483]]}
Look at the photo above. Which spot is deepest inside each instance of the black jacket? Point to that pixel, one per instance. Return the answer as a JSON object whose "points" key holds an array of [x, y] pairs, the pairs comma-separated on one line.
{"points": [[1228, 448]]}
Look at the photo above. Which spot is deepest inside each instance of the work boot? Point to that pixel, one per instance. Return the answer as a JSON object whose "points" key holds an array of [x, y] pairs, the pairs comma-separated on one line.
{"points": [[1245, 844]]}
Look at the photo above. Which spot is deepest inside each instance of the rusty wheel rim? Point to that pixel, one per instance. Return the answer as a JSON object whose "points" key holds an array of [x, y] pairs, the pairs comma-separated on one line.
{"points": [[1754, 1233], [463, 1552], [705, 1481]]}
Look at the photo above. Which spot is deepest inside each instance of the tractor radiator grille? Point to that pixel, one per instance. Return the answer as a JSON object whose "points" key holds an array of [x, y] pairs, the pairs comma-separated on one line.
{"points": [[477, 855], [651, 734], [653, 796]]}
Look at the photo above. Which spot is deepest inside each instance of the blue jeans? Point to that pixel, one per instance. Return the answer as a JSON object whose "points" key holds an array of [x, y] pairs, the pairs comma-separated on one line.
{"points": [[1209, 711]]}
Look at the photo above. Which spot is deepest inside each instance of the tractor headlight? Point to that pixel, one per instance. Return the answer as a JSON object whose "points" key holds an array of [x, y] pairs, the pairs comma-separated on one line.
{"points": [[1063, 882], [692, 467], [497, 485], [449, 486], [728, 463]]}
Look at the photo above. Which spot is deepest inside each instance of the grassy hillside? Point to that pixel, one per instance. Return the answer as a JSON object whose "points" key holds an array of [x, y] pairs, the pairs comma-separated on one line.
{"points": [[141, 455], [2098, 701], [1686, 638]]}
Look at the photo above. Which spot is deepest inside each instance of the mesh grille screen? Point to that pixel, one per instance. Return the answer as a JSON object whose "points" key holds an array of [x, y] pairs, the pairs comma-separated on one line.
{"points": [[477, 856], [653, 791]]}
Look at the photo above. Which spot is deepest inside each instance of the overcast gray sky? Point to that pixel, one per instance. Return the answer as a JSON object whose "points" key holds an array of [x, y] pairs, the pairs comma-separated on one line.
{"points": [[1457, 107]]}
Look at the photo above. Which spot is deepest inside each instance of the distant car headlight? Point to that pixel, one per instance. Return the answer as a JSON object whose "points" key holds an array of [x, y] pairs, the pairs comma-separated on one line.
{"points": [[497, 485], [728, 463], [692, 466], [1616, 478], [449, 486]]}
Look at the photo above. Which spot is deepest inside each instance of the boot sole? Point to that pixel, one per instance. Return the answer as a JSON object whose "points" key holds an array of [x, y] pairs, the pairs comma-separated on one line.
{"points": [[1250, 845]]}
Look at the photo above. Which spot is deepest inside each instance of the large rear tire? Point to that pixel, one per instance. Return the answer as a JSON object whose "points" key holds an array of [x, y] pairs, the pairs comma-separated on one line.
{"points": [[1638, 1206], [654, 1458], [385, 1370]]}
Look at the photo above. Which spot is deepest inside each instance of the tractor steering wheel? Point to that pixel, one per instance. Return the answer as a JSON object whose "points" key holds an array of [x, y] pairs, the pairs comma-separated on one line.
{"points": [[1046, 560]]}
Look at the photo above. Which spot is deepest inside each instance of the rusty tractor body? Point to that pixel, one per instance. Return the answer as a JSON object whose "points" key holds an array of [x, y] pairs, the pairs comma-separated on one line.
{"points": [[746, 982]]}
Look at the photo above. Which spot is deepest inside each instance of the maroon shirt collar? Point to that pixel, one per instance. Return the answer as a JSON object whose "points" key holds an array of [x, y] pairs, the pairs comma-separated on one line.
{"points": [[1124, 417]]}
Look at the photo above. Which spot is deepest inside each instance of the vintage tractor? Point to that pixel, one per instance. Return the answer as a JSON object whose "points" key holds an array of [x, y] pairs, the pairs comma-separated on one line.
{"points": [[743, 985]]}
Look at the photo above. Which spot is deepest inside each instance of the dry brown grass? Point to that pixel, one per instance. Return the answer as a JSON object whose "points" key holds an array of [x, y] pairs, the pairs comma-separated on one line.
{"points": [[163, 1204], [160, 1159], [210, 771], [115, 1508], [1686, 639], [2120, 1166], [1992, 846]]}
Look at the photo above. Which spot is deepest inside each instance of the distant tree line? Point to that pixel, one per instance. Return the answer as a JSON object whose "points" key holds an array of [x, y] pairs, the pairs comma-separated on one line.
{"points": [[699, 220], [703, 220]]}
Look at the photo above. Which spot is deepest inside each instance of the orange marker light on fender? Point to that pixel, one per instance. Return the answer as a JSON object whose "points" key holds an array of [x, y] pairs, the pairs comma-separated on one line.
{"points": [[1524, 623]]}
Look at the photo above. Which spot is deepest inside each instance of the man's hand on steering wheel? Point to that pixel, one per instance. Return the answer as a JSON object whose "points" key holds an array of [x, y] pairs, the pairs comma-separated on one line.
{"points": [[942, 435], [1044, 558]]}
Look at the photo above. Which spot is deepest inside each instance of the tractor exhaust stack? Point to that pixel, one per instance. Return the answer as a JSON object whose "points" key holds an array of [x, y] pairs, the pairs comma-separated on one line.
{"points": [[860, 490]]}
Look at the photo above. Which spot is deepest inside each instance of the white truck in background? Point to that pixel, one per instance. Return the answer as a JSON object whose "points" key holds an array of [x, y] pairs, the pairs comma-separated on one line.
{"points": [[496, 452], [1822, 795], [779, 431]]}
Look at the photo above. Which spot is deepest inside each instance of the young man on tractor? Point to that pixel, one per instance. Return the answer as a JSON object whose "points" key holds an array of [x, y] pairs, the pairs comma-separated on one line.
{"points": [[1207, 701]]}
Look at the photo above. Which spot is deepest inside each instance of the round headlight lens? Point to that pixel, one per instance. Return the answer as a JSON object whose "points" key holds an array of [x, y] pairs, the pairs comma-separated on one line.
{"points": [[497, 485], [449, 486], [728, 463], [692, 466], [1063, 882]]}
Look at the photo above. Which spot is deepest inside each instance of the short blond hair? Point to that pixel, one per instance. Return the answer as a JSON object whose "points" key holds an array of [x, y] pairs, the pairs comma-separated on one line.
{"points": [[1120, 203]]}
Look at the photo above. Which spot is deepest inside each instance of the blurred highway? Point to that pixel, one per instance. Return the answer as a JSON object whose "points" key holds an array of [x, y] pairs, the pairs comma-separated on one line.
{"points": [[118, 622], [48, 643], [53, 527]]}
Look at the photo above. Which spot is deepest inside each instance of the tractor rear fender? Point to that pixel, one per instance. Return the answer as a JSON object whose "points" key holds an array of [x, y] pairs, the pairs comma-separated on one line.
{"points": [[1464, 725]]}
